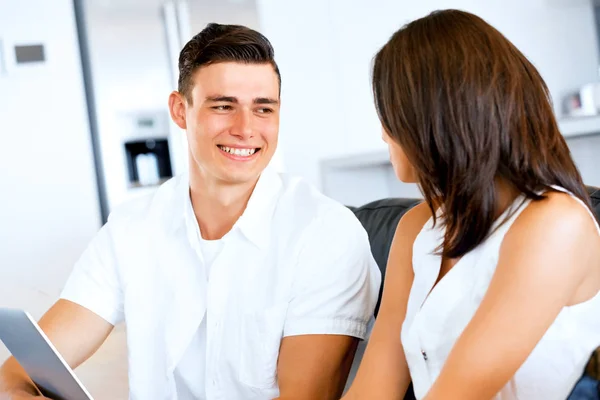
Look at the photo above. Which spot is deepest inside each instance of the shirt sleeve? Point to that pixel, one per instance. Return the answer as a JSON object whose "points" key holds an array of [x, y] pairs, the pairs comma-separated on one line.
{"points": [[337, 279], [94, 282]]}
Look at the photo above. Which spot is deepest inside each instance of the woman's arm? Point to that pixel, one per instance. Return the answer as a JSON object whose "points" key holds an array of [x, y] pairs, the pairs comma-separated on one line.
{"points": [[383, 372], [543, 261]]}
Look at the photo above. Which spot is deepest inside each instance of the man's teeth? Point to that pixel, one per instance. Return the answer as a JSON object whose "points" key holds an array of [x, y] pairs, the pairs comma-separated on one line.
{"points": [[238, 152]]}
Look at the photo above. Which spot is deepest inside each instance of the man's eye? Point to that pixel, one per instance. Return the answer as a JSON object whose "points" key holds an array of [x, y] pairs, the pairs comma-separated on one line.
{"points": [[222, 108], [265, 110]]}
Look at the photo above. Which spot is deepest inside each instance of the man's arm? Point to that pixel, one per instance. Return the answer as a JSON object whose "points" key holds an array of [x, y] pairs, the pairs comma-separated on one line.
{"points": [[315, 366], [76, 333], [334, 295]]}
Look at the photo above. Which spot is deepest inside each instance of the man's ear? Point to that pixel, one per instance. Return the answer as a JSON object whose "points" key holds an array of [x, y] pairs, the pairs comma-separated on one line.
{"points": [[177, 109]]}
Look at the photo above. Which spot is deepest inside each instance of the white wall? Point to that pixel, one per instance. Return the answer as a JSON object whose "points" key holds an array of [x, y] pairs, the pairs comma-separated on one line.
{"points": [[325, 48], [48, 200], [312, 126], [203, 12], [586, 153]]}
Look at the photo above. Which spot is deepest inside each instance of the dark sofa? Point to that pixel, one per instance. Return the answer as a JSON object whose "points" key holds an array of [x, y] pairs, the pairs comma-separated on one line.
{"points": [[381, 217]]}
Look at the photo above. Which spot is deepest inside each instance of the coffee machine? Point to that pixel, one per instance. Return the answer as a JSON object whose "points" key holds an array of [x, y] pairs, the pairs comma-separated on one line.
{"points": [[139, 155]]}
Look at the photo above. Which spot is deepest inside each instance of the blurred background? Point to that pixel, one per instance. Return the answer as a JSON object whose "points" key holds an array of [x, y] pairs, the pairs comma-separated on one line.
{"points": [[84, 122]]}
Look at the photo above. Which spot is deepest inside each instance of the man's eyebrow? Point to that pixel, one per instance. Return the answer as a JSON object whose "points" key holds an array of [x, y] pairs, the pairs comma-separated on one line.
{"points": [[224, 99], [265, 100], [231, 99]]}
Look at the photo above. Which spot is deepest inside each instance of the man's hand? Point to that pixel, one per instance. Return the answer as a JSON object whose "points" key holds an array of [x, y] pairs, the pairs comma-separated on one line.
{"points": [[75, 331], [21, 395]]}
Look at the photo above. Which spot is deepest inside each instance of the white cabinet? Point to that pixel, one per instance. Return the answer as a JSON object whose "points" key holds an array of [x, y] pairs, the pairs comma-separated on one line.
{"points": [[363, 177]]}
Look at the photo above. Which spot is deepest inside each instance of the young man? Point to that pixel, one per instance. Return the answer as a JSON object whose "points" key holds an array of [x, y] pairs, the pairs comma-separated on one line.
{"points": [[235, 282]]}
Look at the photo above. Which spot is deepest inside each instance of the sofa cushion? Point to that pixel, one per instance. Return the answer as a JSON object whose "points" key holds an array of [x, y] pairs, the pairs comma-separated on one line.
{"points": [[380, 219], [595, 194]]}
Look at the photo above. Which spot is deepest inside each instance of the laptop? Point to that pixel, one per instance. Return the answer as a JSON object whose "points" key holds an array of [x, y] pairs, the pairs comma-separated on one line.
{"points": [[45, 366]]}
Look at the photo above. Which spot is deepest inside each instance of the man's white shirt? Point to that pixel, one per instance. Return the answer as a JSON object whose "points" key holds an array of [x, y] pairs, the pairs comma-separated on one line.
{"points": [[296, 262]]}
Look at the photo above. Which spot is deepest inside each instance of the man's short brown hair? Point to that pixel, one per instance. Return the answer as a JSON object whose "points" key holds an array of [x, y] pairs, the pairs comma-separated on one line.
{"points": [[223, 43]]}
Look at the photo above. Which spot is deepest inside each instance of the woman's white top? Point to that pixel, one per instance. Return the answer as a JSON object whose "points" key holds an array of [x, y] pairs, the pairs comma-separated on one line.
{"points": [[434, 323]]}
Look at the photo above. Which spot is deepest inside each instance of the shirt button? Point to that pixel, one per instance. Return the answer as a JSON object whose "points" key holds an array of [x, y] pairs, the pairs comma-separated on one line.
{"points": [[424, 354]]}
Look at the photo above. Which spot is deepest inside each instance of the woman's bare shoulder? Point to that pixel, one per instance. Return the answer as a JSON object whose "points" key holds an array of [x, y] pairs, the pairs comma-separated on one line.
{"points": [[412, 222], [556, 236], [558, 214]]}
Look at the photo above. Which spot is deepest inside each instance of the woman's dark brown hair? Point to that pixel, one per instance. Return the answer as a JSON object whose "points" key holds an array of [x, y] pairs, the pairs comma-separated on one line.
{"points": [[467, 108]]}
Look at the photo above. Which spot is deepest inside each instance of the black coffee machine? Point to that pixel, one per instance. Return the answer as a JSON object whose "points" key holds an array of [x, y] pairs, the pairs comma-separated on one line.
{"points": [[148, 161]]}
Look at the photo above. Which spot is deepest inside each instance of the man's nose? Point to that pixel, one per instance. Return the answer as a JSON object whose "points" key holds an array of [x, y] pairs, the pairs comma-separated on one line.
{"points": [[242, 125]]}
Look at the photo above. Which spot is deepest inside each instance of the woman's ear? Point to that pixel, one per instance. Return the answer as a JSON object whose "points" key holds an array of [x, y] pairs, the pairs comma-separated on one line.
{"points": [[177, 109]]}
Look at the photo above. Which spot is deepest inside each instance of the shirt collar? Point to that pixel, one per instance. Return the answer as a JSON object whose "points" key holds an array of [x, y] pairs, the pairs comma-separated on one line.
{"points": [[255, 222]]}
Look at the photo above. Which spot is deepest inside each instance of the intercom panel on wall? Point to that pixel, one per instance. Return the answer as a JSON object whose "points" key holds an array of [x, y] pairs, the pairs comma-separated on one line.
{"points": [[21, 56]]}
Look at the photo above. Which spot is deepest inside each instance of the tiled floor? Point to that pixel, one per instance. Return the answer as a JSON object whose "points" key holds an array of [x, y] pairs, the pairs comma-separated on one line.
{"points": [[105, 373]]}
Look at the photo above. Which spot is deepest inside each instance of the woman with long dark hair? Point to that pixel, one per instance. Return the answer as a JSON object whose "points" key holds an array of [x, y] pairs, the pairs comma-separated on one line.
{"points": [[492, 285]]}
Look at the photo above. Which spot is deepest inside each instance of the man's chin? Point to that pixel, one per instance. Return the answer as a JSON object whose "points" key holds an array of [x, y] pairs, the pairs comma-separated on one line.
{"points": [[245, 178]]}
